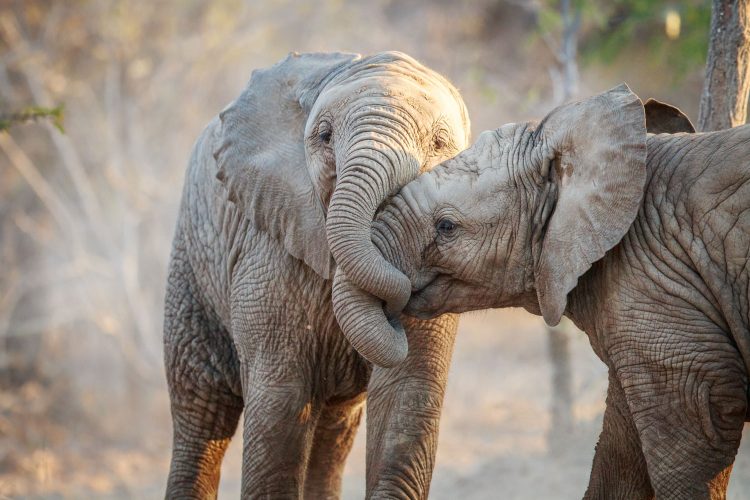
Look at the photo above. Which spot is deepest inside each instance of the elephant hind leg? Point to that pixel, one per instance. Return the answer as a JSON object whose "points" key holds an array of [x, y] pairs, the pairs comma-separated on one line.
{"points": [[202, 375], [334, 436]]}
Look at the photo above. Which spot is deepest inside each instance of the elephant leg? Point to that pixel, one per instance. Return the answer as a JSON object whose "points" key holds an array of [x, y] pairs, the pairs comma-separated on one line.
{"points": [[688, 459], [619, 470], [203, 379], [334, 435], [404, 404], [280, 419], [686, 392]]}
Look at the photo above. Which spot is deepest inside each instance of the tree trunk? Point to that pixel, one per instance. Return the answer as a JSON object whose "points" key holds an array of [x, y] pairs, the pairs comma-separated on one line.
{"points": [[562, 423], [569, 50], [565, 85], [564, 71], [725, 90]]}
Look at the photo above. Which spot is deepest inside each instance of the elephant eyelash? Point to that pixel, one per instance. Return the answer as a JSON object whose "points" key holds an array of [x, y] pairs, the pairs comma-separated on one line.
{"points": [[325, 132], [325, 136], [441, 141], [446, 226]]}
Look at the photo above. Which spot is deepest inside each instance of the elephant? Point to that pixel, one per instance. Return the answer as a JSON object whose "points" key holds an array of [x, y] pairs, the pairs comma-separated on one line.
{"points": [[641, 239], [279, 195]]}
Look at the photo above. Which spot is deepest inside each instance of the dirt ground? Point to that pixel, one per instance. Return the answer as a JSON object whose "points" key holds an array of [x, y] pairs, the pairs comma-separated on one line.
{"points": [[495, 432], [497, 439]]}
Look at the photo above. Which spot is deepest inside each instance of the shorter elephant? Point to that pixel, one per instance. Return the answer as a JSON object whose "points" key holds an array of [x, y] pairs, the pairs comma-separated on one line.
{"points": [[279, 195], [642, 240]]}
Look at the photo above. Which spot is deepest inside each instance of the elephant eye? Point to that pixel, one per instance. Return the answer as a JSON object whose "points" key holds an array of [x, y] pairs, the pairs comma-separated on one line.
{"points": [[445, 226], [440, 140], [325, 133]]}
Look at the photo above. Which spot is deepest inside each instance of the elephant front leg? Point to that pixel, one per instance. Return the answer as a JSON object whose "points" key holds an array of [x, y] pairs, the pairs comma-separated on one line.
{"points": [[686, 392], [203, 379], [404, 404], [334, 436], [619, 470], [280, 417]]}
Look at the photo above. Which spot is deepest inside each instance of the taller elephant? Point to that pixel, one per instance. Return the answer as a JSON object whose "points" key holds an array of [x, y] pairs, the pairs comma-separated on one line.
{"points": [[280, 192]]}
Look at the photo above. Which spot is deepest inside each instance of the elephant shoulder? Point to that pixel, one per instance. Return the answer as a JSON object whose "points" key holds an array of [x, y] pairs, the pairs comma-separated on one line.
{"points": [[207, 225], [721, 171], [203, 197]]}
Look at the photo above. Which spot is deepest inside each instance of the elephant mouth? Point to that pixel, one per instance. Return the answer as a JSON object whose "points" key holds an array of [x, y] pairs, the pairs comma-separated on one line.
{"points": [[427, 297], [445, 293], [423, 280]]}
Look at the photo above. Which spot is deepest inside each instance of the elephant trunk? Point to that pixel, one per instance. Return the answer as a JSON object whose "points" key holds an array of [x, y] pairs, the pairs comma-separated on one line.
{"points": [[376, 334], [372, 170], [380, 340]]}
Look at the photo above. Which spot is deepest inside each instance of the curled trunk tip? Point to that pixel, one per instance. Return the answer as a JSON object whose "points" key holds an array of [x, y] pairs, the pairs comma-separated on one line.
{"points": [[364, 323]]}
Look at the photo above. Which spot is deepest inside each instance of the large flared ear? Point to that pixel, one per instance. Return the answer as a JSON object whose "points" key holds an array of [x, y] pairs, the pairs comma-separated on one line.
{"points": [[598, 147], [663, 118], [261, 153]]}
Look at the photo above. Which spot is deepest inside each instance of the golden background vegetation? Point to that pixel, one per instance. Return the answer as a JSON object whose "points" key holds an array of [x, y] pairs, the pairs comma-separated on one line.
{"points": [[86, 220]]}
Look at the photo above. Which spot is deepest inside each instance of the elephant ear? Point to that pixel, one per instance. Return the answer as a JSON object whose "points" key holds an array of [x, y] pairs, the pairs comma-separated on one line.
{"points": [[663, 118], [261, 154], [598, 147]]}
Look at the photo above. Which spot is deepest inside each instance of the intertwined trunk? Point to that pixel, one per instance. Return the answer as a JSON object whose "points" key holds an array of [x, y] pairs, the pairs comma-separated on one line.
{"points": [[374, 167], [374, 331]]}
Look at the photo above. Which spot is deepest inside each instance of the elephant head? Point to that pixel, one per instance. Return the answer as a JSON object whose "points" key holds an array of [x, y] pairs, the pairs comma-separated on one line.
{"points": [[518, 217], [312, 148]]}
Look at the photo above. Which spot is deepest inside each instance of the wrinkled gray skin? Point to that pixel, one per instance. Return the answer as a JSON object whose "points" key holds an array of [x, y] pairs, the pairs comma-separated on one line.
{"points": [[316, 142], [642, 240]]}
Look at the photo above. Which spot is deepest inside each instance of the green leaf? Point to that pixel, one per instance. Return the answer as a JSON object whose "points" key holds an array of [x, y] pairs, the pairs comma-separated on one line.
{"points": [[33, 113]]}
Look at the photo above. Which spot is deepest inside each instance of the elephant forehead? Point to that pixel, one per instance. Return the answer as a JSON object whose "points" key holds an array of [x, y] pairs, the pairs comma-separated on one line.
{"points": [[476, 201], [483, 158], [425, 98], [392, 63]]}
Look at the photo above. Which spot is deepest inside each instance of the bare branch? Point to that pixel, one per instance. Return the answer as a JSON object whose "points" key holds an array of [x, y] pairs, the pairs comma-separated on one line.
{"points": [[36, 181]]}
